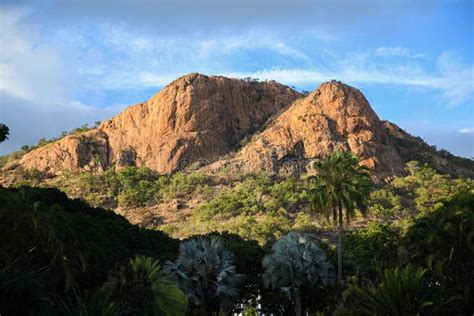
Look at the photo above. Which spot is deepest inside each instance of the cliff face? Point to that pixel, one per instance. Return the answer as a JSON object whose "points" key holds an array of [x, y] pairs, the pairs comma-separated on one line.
{"points": [[335, 116], [196, 118], [249, 126]]}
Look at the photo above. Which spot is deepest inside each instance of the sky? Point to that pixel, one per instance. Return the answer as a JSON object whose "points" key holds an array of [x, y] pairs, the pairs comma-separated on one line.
{"points": [[65, 63]]}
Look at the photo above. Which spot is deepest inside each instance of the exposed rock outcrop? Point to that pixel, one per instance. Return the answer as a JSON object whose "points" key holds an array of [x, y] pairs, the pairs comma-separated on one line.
{"points": [[335, 116], [251, 126], [85, 151], [196, 118]]}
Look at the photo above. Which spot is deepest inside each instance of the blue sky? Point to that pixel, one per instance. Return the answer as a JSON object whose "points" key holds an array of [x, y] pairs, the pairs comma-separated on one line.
{"points": [[66, 63]]}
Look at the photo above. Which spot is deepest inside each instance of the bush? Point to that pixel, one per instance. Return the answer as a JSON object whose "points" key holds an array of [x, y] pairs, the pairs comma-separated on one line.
{"points": [[386, 205], [255, 195], [397, 292], [137, 186], [376, 244]]}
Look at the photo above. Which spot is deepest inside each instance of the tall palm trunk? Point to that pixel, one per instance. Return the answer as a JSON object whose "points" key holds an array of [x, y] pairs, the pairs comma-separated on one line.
{"points": [[297, 302], [339, 245]]}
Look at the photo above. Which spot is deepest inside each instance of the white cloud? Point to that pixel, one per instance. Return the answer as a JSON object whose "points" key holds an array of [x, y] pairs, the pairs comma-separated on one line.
{"points": [[397, 51], [467, 130], [51, 69], [457, 79], [29, 68]]}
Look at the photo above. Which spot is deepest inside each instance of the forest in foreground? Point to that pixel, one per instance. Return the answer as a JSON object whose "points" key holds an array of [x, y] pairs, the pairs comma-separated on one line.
{"points": [[408, 251]]}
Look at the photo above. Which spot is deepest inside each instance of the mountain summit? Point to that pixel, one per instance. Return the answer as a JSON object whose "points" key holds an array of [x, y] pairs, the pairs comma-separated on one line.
{"points": [[251, 126], [334, 116]]}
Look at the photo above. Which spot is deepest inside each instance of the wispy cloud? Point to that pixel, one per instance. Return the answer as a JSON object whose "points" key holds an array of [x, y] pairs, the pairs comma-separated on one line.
{"points": [[467, 130], [397, 51], [113, 57], [103, 51]]}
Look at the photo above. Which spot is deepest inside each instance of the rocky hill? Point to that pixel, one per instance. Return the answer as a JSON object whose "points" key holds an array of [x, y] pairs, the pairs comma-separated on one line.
{"points": [[249, 126], [194, 118], [335, 116]]}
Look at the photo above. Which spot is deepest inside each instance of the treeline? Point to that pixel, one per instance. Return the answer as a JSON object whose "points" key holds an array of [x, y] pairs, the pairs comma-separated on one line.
{"points": [[61, 256], [255, 206]]}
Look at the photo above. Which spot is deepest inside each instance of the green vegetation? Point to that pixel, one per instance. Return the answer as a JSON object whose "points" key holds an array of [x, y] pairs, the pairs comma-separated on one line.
{"points": [[377, 243], [424, 189], [133, 186], [257, 207], [4, 132], [297, 263], [251, 241], [442, 240], [54, 249], [141, 288], [340, 184], [397, 292], [207, 274]]}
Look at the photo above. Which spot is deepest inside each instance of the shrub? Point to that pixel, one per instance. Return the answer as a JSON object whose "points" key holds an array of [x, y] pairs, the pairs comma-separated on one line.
{"points": [[384, 204], [141, 287], [398, 292], [377, 243]]}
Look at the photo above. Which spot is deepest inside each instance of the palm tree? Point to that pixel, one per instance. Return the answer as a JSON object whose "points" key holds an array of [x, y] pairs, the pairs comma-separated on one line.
{"points": [[296, 262], [206, 272], [142, 288], [399, 292], [340, 183]]}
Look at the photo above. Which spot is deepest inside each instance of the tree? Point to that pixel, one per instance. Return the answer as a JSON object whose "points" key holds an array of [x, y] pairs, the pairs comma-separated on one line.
{"points": [[207, 274], [376, 243], [142, 288], [340, 183], [296, 262], [442, 240], [53, 248], [4, 132], [248, 257], [399, 292]]}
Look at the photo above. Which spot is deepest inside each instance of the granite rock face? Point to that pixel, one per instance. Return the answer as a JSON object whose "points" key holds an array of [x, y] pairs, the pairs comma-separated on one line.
{"points": [[196, 118], [217, 122], [85, 151], [335, 116]]}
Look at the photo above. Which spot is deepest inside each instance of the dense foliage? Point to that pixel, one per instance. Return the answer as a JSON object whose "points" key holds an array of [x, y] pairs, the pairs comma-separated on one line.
{"points": [[413, 250], [295, 265], [141, 288], [443, 241], [396, 292], [206, 272], [133, 186], [53, 249], [4, 132]]}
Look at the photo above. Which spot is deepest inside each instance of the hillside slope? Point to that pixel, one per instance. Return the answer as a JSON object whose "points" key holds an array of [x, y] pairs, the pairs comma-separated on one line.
{"points": [[334, 116], [247, 126], [196, 118]]}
